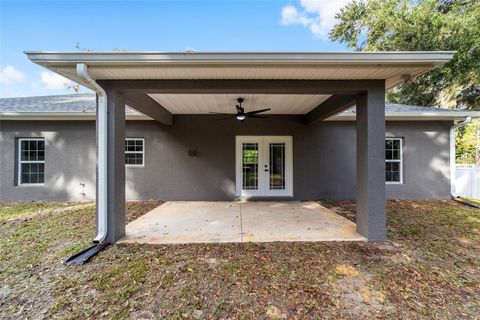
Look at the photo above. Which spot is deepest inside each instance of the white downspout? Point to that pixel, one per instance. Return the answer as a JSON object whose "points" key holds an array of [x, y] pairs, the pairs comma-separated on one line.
{"points": [[453, 168], [102, 120]]}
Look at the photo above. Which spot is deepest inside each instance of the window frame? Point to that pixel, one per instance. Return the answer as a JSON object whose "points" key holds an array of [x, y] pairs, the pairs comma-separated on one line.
{"points": [[400, 161], [135, 152], [20, 162]]}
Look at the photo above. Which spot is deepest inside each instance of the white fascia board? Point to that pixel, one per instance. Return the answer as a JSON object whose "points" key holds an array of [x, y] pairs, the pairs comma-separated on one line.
{"points": [[92, 58]]}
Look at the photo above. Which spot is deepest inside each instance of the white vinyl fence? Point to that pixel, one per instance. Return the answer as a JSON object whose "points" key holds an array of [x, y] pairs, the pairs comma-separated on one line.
{"points": [[467, 182]]}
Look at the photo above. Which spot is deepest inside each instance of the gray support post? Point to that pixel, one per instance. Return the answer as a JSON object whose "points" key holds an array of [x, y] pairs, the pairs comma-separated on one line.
{"points": [[116, 166], [371, 217]]}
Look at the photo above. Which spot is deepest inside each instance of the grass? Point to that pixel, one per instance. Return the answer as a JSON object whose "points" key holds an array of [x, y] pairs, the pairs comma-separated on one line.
{"points": [[429, 269], [21, 209]]}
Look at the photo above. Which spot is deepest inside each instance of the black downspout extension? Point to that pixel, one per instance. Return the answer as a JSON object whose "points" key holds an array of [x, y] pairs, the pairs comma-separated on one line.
{"points": [[85, 255], [466, 203]]}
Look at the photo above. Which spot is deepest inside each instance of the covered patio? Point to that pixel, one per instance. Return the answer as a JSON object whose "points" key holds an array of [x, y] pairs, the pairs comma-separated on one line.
{"points": [[301, 90], [239, 221]]}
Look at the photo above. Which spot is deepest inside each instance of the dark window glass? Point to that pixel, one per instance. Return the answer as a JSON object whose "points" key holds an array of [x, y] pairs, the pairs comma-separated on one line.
{"points": [[134, 158], [32, 172], [396, 176], [396, 154], [388, 154], [393, 156], [32, 161], [134, 152], [250, 166], [388, 176], [277, 166]]}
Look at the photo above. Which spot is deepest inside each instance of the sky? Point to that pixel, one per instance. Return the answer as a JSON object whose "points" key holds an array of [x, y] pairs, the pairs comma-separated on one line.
{"points": [[151, 26]]}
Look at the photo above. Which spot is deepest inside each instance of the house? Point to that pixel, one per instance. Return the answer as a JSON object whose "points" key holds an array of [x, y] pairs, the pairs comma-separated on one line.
{"points": [[309, 144]]}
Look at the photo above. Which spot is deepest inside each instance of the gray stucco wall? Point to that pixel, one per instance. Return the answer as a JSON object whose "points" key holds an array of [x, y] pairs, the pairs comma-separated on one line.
{"points": [[324, 158]]}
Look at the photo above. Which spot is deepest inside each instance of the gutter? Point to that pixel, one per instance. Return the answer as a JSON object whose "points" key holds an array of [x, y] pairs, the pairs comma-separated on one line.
{"points": [[153, 57], [453, 168], [102, 152]]}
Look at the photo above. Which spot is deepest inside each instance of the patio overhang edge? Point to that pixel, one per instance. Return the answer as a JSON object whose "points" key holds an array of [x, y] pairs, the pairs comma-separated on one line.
{"points": [[419, 62]]}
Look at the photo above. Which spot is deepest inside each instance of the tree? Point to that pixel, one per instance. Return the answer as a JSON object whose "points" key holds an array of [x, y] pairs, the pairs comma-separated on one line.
{"points": [[468, 151], [403, 25], [424, 25]]}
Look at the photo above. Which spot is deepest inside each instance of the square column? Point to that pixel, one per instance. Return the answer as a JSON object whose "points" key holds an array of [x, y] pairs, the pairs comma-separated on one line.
{"points": [[110, 197], [371, 216]]}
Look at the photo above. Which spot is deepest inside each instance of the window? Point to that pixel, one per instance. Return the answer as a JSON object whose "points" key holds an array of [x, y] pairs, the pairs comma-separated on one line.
{"points": [[393, 160], [31, 161], [134, 152]]}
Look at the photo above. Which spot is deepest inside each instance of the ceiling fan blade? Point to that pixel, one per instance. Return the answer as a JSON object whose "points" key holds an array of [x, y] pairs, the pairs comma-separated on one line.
{"points": [[258, 111], [255, 116]]}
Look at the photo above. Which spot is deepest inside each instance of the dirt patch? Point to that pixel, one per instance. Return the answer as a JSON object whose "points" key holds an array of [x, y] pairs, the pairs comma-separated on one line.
{"points": [[360, 300]]}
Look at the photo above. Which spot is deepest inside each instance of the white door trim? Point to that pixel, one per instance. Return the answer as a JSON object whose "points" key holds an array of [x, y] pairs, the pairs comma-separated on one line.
{"points": [[263, 186]]}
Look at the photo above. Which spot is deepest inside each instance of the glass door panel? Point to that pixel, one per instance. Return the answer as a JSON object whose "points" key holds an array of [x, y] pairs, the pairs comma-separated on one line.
{"points": [[277, 166], [250, 166]]}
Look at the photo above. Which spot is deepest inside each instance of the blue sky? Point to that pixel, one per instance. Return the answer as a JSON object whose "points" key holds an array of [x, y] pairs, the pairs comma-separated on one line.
{"points": [[152, 26]]}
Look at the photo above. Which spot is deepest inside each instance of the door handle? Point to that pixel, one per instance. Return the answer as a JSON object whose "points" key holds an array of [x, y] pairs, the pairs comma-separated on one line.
{"points": [[266, 170]]}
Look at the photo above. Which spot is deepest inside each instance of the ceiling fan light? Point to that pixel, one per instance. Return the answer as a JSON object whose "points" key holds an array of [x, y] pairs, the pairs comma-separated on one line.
{"points": [[240, 117]]}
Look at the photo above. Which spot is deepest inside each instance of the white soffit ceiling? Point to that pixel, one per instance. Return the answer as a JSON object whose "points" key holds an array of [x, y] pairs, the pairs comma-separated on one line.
{"points": [[205, 103]]}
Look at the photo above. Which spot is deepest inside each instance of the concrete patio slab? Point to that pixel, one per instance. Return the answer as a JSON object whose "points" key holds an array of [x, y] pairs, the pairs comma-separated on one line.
{"points": [[235, 221], [294, 221], [187, 222]]}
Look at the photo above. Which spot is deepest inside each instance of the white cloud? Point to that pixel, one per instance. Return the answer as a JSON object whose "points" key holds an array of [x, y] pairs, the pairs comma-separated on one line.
{"points": [[54, 81], [290, 15], [9, 74], [317, 15]]}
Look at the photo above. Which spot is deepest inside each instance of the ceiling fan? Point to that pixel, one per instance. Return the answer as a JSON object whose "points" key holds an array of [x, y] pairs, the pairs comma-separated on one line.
{"points": [[241, 114]]}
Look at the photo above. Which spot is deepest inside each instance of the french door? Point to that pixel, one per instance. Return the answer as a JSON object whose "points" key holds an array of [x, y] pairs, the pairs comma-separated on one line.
{"points": [[264, 166]]}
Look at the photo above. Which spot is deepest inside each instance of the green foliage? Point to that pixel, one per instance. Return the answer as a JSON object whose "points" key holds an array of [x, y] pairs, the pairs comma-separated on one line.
{"points": [[467, 142], [423, 25]]}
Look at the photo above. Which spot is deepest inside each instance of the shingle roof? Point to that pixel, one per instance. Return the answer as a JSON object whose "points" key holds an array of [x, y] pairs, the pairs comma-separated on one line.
{"points": [[69, 103], [405, 108], [85, 103]]}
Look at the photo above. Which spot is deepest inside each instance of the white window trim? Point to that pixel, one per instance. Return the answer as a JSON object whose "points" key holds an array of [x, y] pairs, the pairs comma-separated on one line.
{"points": [[143, 153], [20, 161], [399, 161]]}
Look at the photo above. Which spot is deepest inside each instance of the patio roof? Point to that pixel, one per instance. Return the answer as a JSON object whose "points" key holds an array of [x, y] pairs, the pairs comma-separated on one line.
{"points": [[393, 67]]}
